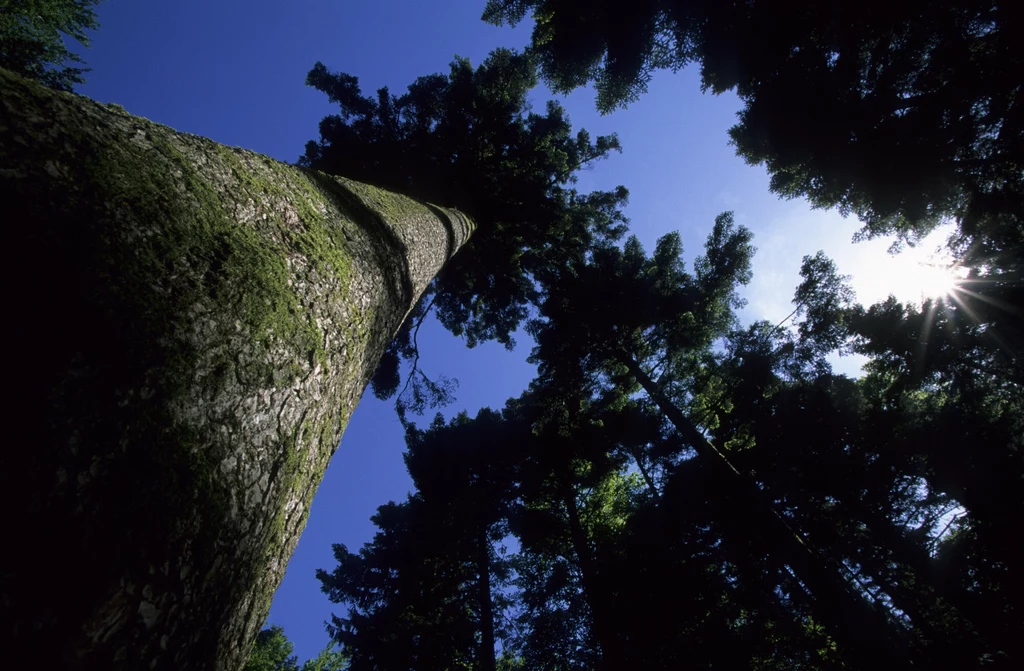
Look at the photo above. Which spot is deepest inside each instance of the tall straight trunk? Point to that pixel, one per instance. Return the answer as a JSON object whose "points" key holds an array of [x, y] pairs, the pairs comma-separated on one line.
{"points": [[488, 661], [595, 592], [917, 563], [953, 639], [964, 613], [864, 630], [192, 327]]}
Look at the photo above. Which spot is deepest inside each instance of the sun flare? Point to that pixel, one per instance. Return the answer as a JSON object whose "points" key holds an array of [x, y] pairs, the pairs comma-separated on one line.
{"points": [[923, 276], [936, 281]]}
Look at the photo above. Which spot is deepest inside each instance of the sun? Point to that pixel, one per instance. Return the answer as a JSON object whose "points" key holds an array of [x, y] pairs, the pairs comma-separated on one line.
{"points": [[937, 280], [923, 276]]}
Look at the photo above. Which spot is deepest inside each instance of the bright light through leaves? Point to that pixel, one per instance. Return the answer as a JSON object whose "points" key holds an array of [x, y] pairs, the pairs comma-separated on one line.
{"points": [[937, 280], [922, 275]]}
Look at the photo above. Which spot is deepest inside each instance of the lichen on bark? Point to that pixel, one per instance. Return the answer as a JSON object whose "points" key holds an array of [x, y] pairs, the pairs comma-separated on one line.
{"points": [[195, 325]]}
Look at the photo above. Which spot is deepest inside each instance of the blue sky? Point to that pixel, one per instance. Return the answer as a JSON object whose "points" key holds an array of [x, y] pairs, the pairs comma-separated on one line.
{"points": [[233, 71]]}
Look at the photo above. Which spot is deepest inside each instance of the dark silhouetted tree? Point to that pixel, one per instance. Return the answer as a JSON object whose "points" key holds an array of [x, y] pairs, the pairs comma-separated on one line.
{"points": [[623, 314], [464, 469], [903, 113], [410, 596]]}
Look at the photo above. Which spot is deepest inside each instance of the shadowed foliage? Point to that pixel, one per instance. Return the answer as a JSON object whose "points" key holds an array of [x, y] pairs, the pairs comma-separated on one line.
{"points": [[675, 490], [32, 34], [902, 112]]}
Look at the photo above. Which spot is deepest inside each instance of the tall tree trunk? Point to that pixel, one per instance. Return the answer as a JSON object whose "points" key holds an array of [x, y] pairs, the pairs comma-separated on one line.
{"points": [[952, 637], [863, 629], [612, 654], [487, 658], [192, 328]]}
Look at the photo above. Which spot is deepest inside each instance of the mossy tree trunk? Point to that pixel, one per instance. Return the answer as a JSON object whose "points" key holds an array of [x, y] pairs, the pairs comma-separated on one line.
{"points": [[192, 327]]}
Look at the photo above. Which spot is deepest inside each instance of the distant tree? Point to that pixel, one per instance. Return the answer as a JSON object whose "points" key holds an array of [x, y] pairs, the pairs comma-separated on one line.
{"points": [[632, 320], [411, 594], [848, 474], [943, 378], [877, 471], [903, 113], [32, 34], [948, 393], [328, 659], [571, 494], [272, 651], [428, 591], [465, 469]]}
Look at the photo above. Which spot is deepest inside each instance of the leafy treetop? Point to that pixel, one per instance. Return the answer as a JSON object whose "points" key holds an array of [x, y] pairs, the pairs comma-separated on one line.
{"points": [[272, 651], [469, 140], [32, 39]]}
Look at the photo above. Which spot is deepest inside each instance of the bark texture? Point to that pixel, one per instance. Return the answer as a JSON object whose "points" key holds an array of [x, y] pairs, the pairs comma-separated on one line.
{"points": [[193, 325]]}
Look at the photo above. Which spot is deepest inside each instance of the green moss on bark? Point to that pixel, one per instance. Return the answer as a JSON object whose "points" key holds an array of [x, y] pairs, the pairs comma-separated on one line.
{"points": [[201, 325]]}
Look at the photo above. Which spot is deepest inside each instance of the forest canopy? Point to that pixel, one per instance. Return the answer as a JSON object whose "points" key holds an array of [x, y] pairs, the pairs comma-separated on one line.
{"points": [[676, 485], [902, 113], [750, 507], [683, 483]]}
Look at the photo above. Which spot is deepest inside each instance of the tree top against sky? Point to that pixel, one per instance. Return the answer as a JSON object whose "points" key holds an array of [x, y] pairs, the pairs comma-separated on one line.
{"points": [[470, 140], [32, 34]]}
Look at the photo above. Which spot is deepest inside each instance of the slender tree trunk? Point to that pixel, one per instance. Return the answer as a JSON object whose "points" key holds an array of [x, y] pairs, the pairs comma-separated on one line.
{"points": [[916, 563], [191, 328], [863, 630], [646, 475], [952, 637], [595, 593], [487, 658], [994, 629]]}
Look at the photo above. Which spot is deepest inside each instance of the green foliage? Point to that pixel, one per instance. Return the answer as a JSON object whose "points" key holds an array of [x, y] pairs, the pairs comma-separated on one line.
{"points": [[272, 651], [620, 301], [754, 510], [432, 578], [631, 551], [409, 605], [32, 34], [823, 298], [328, 659], [903, 113]]}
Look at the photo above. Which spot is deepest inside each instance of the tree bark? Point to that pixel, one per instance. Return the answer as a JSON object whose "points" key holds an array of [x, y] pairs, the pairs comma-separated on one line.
{"points": [[612, 654], [192, 327], [488, 661]]}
